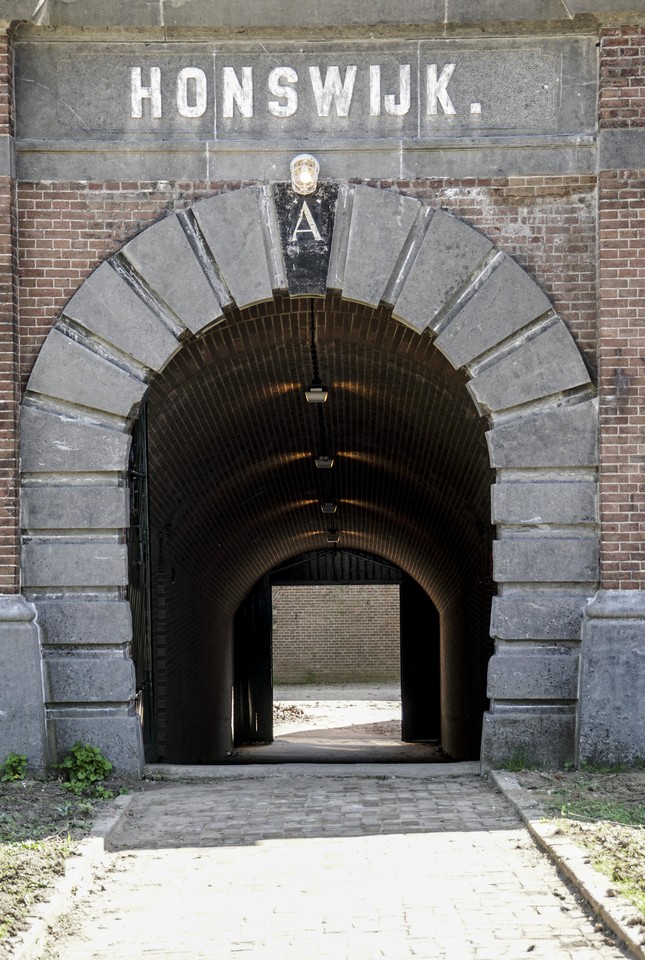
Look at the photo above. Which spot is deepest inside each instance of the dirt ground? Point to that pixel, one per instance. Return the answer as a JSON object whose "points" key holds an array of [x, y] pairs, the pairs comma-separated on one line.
{"points": [[602, 811]]}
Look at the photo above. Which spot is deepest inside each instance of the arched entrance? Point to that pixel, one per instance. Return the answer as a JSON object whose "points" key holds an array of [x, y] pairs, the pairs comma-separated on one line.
{"points": [[155, 312]]}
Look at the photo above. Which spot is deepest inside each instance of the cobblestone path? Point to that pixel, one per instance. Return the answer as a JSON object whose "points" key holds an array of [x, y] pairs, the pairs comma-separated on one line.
{"points": [[301, 867]]}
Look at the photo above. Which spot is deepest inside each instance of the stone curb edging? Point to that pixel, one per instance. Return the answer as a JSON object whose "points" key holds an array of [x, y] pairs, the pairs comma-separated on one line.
{"points": [[75, 881], [572, 861], [254, 771]]}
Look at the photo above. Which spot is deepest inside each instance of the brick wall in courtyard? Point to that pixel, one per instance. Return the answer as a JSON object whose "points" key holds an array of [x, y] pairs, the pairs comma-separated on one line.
{"points": [[336, 633]]}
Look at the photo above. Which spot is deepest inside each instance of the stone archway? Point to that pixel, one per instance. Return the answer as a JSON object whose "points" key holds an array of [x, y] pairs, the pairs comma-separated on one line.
{"points": [[441, 278]]}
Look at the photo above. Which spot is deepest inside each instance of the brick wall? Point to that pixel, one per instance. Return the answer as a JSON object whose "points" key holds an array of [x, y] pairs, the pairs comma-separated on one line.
{"points": [[336, 633], [9, 389], [621, 306]]}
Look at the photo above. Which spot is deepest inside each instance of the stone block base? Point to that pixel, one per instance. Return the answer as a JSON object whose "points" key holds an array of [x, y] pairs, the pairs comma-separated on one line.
{"points": [[611, 718], [118, 738], [541, 739], [22, 711]]}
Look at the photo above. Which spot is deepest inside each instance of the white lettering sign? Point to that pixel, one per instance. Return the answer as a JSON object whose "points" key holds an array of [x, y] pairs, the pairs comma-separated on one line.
{"points": [[333, 90], [195, 78], [311, 227], [139, 93], [392, 107], [277, 79], [437, 89], [335, 94], [237, 93]]}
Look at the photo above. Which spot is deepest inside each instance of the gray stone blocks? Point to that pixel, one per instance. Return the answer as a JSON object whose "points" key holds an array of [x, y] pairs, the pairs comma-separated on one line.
{"points": [[184, 289], [541, 737], [611, 721], [448, 255], [232, 227], [539, 673], [51, 443], [545, 559], [82, 679], [117, 736], [507, 301], [84, 622], [22, 712], [548, 364], [380, 225], [544, 502], [539, 615], [54, 507], [566, 436], [67, 370], [96, 563], [107, 306]]}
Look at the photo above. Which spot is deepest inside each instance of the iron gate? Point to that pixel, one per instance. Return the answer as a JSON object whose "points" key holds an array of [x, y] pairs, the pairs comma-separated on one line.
{"points": [[139, 580]]}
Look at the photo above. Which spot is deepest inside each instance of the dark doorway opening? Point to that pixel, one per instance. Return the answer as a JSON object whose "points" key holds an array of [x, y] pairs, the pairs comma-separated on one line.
{"points": [[419, 634], [235, 491]]}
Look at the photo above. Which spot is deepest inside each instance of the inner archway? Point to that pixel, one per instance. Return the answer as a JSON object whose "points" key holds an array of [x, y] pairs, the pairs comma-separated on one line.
{"points": [[145, 327]]}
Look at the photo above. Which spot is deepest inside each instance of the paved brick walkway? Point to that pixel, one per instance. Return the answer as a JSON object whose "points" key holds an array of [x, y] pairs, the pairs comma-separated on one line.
{"points": [[297, 867]]}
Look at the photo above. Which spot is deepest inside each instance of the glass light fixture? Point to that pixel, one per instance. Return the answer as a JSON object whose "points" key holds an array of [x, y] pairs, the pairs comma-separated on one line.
{"points": [[316, 393], [304, 174], [324, 462], [333, 536], [329, 506]]}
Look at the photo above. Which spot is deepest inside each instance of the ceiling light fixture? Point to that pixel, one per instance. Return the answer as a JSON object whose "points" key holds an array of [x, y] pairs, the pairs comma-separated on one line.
{"points": [[329, 506], [304, 174], [324, 462], [316, 393], [333, 536]]}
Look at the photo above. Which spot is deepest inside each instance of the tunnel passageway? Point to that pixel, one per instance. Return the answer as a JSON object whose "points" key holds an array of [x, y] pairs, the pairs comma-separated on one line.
{"points": [[234, 491]]}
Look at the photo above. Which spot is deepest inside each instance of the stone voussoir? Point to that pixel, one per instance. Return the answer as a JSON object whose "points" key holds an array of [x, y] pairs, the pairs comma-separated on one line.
{"points": [[107, 306], [185, 290], [548, 364], [380, 225], [447, 256], [232, 227], [506, 302], [67, 370]]}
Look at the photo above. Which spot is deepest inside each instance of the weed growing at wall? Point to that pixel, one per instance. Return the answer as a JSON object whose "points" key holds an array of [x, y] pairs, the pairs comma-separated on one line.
{"points": [[85, 768], [14, 767]]}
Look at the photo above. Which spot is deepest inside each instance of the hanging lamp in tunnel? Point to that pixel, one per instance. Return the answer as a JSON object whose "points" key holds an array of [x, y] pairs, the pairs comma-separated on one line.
{"points": [[324, 461], [329, 506], [333, 536], [317, 392]]}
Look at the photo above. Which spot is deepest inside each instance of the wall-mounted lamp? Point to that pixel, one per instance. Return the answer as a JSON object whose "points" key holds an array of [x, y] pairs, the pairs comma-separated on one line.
{"points": [[333, 536], [329, 506], [304, 174], [316, 393], [324, 462]]}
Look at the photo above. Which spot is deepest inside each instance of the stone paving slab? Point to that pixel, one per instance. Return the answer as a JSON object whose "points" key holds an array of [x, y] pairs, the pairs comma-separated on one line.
{"points": [[327, 868]]}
